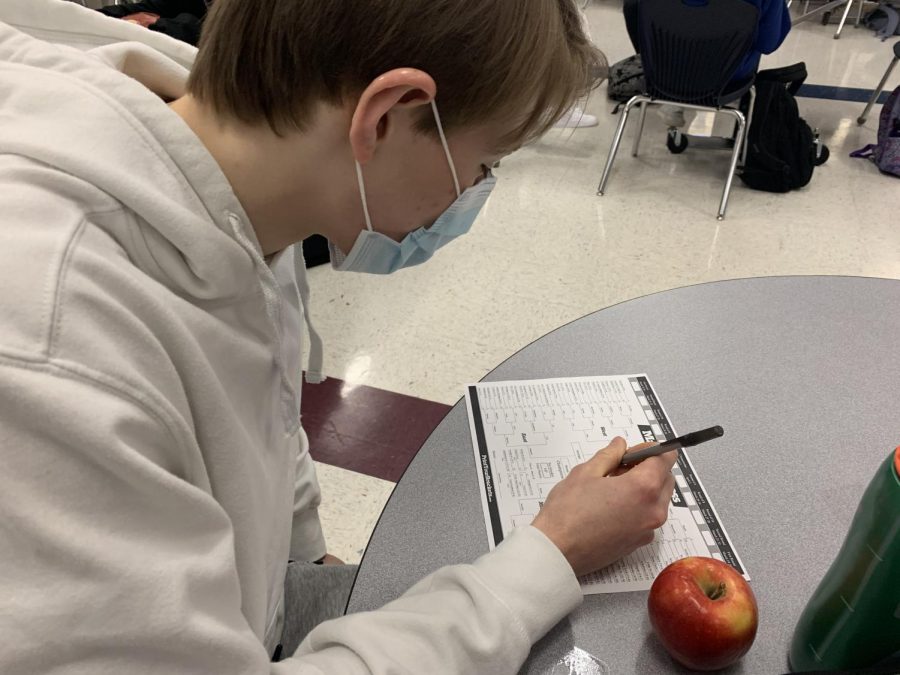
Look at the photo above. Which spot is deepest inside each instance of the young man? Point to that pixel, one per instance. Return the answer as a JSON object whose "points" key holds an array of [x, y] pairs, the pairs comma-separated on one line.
{"points": [[156, 480]]}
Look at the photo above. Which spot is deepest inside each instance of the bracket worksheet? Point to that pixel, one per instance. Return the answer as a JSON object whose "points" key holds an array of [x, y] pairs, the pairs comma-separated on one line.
{"points": [[527, 436]]}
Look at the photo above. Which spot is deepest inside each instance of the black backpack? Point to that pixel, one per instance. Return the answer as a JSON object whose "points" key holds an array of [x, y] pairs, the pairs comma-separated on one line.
{"points": [[626, 79], [781, 148]]}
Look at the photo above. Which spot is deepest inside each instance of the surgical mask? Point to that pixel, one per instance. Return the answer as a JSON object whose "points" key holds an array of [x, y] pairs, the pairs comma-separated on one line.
{"points": [[376, 253]]}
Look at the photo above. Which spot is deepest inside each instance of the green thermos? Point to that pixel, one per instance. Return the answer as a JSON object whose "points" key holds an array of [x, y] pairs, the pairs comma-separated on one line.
{"points": [[853, 618]]}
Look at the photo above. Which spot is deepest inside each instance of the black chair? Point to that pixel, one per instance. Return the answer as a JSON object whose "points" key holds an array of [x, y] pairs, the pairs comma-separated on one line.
{"points": [[690, 50]]}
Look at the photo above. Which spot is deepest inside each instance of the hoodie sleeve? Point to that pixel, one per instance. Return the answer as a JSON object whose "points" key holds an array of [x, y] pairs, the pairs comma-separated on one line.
{"points": [[774, 25], [479, 618], [113, 562]]}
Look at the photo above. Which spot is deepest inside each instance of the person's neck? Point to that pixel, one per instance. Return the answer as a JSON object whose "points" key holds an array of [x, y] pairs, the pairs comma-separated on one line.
{"points": [[279, 180]]}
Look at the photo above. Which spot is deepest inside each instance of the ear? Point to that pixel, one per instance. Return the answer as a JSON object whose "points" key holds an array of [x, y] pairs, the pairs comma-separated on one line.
{"points": [[396, 89]]}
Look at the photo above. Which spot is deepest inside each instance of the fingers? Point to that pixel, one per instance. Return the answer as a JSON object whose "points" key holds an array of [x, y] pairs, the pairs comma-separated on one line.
{"points": [[661, 465], [607, 462], [668, 489], [668, 459], [609, 458], [656, 508], [664, 500], [654, 480], [636, 448], [619, 470]]}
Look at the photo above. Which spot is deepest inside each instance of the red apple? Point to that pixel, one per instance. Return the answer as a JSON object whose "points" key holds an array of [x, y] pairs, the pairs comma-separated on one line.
{"points": [[703, 612]]}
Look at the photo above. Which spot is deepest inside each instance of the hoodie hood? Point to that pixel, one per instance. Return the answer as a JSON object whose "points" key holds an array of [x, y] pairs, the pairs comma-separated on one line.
{"points": [[101, 117], [91, 115]]}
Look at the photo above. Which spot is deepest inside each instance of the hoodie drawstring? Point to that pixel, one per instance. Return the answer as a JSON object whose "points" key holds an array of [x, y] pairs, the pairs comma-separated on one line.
{"points": [[314, 373]]}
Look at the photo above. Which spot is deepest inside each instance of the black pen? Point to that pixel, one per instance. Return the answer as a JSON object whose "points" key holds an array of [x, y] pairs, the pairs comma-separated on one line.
{"points": [[685, 441]]}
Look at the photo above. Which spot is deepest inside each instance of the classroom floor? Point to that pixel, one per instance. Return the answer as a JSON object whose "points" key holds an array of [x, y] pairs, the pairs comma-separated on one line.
{"points": [[546, 250]]}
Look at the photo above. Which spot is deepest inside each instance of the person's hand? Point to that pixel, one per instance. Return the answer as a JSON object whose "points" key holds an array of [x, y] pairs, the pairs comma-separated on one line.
{"points": [[601, 512], [329, 559], [145, 19]]}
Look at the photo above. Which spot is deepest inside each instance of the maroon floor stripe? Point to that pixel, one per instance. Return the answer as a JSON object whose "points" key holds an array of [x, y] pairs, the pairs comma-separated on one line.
{"points": [[364, 429]]}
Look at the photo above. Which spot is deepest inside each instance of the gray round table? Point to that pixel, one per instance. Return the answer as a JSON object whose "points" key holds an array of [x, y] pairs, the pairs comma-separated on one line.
{"points": [[803, 373]]}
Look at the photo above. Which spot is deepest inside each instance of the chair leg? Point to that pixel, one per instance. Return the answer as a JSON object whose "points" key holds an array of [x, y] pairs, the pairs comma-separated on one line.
{"points": [[749, 122], [618, 139], [837, 35], [640, 130], [862, 118], [859, 10], [822, 9], [735, 155]]}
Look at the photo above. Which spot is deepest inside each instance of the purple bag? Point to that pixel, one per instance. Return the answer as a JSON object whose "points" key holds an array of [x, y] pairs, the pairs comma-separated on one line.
{"points": [[886, 153]]}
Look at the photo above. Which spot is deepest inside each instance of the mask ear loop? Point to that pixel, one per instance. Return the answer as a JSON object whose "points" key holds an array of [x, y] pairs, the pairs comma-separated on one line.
{"points": [[362, 195], [437, 119]]}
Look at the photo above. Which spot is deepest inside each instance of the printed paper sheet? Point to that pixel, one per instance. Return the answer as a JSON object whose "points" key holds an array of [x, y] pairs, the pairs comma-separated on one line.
{"points": [[528, 435]]}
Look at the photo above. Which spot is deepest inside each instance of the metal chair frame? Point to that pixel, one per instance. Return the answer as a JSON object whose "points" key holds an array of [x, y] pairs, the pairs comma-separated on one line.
{"points": [[827, 7], [738, 153], [875, 94]]}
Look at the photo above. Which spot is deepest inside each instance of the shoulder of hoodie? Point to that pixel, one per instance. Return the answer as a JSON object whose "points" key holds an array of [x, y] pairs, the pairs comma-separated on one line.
{"points": [[72, 304], [45, 215], [69, 292], [48, 213], [73, 301], [67, 242]]}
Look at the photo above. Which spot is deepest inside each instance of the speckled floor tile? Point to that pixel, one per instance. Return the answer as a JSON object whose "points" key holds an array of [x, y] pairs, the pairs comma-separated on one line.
{"points": [[547, 250], [351, 505]]}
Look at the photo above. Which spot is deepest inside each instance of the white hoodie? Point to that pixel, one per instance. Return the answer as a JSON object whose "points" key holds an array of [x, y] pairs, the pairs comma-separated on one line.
{"points": [[150, 441]]}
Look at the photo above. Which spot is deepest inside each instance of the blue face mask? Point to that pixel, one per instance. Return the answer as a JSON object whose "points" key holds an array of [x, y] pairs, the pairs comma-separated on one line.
{"points": [[376, 253]]}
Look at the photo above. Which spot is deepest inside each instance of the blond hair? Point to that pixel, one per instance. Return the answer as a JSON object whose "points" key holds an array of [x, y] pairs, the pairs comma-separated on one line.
{"points": [[521, 61]]}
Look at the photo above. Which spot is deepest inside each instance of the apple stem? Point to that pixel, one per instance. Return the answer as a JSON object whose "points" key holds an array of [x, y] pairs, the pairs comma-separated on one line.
{"points": [[717, 592]]}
